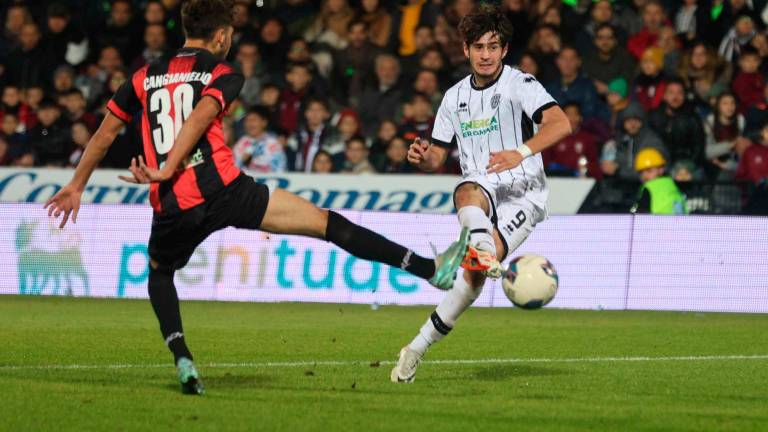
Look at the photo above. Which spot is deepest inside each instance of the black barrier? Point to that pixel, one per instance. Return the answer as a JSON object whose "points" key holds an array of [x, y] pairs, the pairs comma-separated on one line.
{"points": [[703, 197]]}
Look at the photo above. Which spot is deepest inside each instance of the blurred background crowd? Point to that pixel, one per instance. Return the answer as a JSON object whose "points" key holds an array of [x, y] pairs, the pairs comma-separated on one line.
{"points": [[346, 85]]}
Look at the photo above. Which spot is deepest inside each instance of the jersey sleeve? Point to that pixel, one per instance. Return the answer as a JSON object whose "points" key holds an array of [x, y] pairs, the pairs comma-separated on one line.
{"points": [[534, 99], [124, 102], [442, 132], [225, 85]]}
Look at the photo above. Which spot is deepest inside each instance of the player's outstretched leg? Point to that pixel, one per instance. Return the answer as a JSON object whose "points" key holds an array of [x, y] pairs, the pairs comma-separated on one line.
{"points": [[465, 291], [473, 209], [289, 214], [165, 302]]}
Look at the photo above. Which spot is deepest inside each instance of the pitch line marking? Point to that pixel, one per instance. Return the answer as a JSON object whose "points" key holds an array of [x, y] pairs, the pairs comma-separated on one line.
{"points": [[390, 362]]}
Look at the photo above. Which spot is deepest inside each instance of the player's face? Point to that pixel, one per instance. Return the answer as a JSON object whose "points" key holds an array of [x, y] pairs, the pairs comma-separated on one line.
{"points": [[485, 55]]}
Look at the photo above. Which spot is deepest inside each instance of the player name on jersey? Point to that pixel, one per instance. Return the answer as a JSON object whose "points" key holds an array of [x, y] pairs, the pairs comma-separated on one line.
{"points": [[157, 81]]}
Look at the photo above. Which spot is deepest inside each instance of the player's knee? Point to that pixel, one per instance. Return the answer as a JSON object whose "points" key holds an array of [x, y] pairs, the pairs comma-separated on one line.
{"points": [[470, 194]]}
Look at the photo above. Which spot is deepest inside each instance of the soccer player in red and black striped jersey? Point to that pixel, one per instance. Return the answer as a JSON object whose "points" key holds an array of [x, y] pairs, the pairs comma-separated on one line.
{"points": [[195, 187]]}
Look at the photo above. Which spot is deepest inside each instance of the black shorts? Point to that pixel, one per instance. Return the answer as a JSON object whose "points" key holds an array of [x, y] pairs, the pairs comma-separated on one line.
{"points": [[241, 204]]}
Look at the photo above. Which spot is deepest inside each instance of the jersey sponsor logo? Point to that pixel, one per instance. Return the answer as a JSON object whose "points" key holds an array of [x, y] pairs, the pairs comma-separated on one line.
{"points": [[157, 81], [495, 101], [194, 159], [462, 107], [479, 127]]}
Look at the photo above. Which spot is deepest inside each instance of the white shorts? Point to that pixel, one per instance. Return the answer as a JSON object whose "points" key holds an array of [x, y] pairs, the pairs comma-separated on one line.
{"points": [[512, 213]]}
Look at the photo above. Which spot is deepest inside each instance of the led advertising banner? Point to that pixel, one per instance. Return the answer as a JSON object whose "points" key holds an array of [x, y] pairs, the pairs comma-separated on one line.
{"points": [[390, 192], [604, 262]]}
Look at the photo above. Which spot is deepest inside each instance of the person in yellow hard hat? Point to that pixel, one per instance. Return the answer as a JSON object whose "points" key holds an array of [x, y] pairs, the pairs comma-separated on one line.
{"points": [[659, 193]]}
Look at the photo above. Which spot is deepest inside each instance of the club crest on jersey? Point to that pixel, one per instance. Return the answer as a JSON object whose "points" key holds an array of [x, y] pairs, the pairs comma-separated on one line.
{"points": [[495, 101], [479, 127]]}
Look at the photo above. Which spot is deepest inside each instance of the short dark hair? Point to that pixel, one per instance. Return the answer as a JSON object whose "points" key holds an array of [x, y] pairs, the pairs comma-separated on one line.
{"points": [[357, 22], [355, 138], [483, 19], [604, 26], [260, 111], [201, 18], [316, 100]]}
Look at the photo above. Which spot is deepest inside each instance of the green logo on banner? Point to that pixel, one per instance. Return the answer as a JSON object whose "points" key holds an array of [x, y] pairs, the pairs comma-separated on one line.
{"points": [[48, 272]]}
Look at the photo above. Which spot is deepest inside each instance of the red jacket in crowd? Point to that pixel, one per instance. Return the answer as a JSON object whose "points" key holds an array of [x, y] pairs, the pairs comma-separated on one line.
{"points": [[748, 88], [753, 165], [566, 154]]}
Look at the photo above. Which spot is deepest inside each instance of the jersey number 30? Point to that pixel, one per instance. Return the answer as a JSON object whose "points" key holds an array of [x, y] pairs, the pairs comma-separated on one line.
{"points": [[168, 128]]}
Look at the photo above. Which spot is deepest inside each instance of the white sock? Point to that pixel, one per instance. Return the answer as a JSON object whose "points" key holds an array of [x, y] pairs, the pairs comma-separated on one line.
{"points": [[442, 320], [480, 227]]}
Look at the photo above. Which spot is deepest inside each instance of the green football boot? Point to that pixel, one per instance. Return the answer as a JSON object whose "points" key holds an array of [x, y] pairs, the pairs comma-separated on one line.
{"points": [[189, 378], [448, 262]]}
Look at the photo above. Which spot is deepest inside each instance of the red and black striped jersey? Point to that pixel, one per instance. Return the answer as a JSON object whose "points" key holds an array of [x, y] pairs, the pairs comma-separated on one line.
{"points": [[166, 92]]}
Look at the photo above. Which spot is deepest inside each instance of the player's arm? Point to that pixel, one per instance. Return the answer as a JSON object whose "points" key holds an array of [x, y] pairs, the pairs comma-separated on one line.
{"points": [[67, 200], [193, 128], [426, 156]]}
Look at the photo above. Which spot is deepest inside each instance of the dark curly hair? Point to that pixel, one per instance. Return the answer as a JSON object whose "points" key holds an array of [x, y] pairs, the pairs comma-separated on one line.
{"points": [[201, 18], [483, 19]]}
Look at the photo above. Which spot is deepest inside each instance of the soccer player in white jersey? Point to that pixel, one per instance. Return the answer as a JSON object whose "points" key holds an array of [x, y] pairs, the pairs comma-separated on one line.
{"points": [[501, 119]]}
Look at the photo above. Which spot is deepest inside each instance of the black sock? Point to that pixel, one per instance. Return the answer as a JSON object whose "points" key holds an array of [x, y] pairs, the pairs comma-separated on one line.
{"points": [[165, 302], [366, 244]]}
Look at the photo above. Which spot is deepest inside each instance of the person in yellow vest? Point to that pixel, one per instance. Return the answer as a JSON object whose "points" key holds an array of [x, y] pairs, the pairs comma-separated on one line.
{"points": [[659, 193]]}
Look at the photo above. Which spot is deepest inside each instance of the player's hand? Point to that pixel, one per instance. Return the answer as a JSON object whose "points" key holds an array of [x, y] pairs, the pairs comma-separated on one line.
{"points": [[418, 151], [141, 173], [67, 202], [503, 160]]}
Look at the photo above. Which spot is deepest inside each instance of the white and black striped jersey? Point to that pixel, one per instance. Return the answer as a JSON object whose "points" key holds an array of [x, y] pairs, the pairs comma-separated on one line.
{"points": [[498, 116]]}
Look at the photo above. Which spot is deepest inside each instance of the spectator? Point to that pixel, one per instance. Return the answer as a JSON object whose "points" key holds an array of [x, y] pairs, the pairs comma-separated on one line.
{"points": [[630, 17], [378, 22], [529, 64], [418, 118], [75, 109], [299, 78], [576, 154], [119, 31], [50, 139], [259, 150], [241, 23], [297, 14], [607, 60], [653, 19], [12, 103], [737, 38], [650, 84], [65, 40], [386, 132], [353, 67], [30, 63], [617, 102], [670, 46], [544, 45], [518, 15], [249, 63], [757, 115], [749, 82], [16, 17], [269, 98], [426, 83], [724, 129], [63, 79], [753, 163], [659, 193], [80, 135], [330, 25], [356, 157], [396, 160], [347, 122], [704, 73], [18, 146], [601, 14], [273, 46], [575, 87], [381, 102], [679, 126], [685, 20], [155, 43], [322, 163], [314, 134], [618, 156], [93, 83], [432, 59], [410, 14]]}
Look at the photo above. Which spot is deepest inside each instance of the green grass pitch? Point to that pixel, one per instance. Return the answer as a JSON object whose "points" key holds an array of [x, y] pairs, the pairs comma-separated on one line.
{"points": [[296, 367]]}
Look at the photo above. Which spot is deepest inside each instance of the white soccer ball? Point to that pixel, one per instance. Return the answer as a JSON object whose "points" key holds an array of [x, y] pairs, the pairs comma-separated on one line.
{"points": [[530, 281]]}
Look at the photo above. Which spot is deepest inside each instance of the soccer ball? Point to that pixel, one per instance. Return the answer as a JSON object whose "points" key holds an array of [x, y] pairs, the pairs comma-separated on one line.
{"points": [[530, 281]]}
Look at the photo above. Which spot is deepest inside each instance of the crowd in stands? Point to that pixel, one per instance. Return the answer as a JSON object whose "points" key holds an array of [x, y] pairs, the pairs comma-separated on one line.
{"points": [[346, 85]]}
